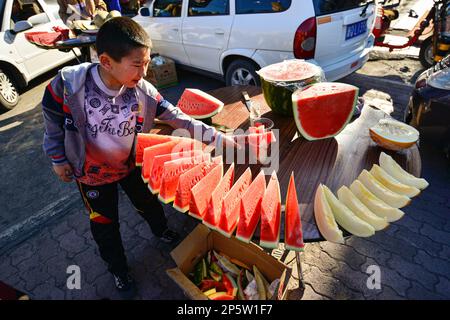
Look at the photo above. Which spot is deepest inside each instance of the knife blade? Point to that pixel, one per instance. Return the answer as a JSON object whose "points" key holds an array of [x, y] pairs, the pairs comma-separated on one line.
{"points": [[247, 101]]}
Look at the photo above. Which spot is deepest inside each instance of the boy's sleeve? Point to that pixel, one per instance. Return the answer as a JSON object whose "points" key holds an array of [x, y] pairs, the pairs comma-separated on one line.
{"points": [[174, 117], [52, 110]]}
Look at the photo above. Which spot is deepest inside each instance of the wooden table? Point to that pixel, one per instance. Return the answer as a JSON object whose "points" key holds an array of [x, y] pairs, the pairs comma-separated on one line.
{"points": [[334, 162]]}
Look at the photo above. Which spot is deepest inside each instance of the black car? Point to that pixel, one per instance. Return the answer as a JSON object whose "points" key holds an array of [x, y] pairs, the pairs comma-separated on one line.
{"points": [[429, 104]]}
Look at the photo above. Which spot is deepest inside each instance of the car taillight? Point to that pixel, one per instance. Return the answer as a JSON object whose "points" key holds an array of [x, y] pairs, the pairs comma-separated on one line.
{"points": [[305, 39]]}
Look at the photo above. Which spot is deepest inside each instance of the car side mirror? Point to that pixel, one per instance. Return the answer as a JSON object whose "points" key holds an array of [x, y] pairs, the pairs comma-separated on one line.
{"points": [[145, 12], [39, 18], [21, 26]]}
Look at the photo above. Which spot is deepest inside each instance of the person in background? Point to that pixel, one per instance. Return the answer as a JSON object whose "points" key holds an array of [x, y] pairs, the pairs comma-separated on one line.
{"points": [[82, 9]]}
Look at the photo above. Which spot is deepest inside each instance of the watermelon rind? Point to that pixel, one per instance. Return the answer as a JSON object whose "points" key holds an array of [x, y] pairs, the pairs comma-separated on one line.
{"points": [[297, 116], [206, 96], [209, 115]]}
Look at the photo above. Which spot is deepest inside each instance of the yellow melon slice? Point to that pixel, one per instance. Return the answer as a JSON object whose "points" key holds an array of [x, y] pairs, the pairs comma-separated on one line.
{"points": [[358, 208], [325, 219], [391, 183], [391, 198], [375, 205], [346, 218], [395, 170], [393, 135]]}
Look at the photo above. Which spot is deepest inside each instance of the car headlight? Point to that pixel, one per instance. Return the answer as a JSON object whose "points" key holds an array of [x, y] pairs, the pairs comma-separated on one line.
{"points": [[440, 79]]}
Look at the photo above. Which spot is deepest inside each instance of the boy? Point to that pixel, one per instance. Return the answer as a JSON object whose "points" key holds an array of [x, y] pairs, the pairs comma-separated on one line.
{"points": [[92, 113]]}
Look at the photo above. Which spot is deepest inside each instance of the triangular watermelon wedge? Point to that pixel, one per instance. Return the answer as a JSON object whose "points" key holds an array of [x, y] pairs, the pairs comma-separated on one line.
{"points": [[189, 179], [172, 146], [202, 191], [271, 214], [251, 208], [212, 215], [293, 235], [172, 172], [154, 181], [231, 204]]}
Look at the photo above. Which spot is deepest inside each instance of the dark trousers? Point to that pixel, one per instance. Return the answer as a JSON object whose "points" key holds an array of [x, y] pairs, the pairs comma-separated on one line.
{"points": [[102, 204]]}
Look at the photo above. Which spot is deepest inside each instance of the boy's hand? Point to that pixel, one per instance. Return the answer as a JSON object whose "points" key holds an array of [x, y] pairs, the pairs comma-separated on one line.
{"points": [[64, 172]]}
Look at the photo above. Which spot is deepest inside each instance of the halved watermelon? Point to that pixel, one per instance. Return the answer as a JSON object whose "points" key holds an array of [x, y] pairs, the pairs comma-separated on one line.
{"points": [[199, 104], [154, 181], [144, 140], [214, 209], [251, 208], [271, 214], [231, 204], [172, 172], [189, 179], [163, 148], [323, 109], [293, 235], [201, 192]]}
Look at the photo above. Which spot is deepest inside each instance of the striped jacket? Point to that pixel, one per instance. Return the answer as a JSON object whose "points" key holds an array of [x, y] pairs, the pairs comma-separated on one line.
{"points": [[65, 117]]}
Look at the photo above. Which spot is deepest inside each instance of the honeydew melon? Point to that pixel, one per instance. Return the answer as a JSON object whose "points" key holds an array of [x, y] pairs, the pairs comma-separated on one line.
{"points": [[395, 170], [325, 219], [346, 218], [393, 135], [393, 184], [376, 205], [359, 209], [391, 198]]}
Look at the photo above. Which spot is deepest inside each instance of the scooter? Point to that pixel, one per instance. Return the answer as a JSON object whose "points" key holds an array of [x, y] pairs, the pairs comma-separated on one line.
{"points": [[435, 23]]}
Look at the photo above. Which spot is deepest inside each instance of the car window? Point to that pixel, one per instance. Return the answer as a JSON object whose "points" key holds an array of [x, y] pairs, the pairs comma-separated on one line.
{"points": [[167, 8], [2, 9], [208, 7], [23, 10], [261, 6], [331, 6]]}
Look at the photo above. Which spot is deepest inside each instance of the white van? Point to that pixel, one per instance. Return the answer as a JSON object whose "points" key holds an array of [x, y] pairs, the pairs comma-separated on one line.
{"points": [[21, 61], [233, 38]]}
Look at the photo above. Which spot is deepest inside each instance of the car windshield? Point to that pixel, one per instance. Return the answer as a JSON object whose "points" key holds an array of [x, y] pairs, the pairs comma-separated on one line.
{"points": [[2, 9], [322, 7]]}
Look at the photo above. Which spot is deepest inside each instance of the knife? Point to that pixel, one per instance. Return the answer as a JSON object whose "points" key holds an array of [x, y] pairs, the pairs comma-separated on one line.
{"points": [[248, 102]]}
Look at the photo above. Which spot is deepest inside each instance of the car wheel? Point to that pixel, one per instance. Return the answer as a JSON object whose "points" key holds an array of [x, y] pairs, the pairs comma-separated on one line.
{"points": [[426, 56], [242, 72], [9, 95]]}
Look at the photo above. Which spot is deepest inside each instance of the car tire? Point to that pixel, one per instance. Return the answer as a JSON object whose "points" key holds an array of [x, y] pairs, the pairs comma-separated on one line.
{"points": [[9, 93], [426, 53], [242, 72]]}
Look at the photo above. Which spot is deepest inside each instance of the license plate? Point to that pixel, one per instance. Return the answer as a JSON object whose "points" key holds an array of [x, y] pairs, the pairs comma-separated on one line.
{"points": [[356, 29]]}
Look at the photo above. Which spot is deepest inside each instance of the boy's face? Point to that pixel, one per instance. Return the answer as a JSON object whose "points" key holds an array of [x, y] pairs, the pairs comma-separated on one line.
{"points": [[131, 68]]}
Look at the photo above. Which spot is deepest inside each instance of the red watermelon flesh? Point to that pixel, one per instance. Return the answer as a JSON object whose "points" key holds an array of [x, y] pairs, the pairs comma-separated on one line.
{"points": [[172, 172], [259, 144], [163, 148], [293, 235], [145, 140], [271, 214], [322, 110], [258, 129], [189, 179], [154, 181], [214, 209], [231, 204], [199, 104], [201, 192], [250, 211]]}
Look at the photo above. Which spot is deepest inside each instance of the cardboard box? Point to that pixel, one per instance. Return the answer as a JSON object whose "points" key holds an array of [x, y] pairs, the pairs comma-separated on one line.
{"points": [[162, 76], [196, 245]]}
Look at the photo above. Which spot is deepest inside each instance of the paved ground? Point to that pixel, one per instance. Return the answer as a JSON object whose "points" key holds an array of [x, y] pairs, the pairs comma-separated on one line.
{"points": [[413, 255]]}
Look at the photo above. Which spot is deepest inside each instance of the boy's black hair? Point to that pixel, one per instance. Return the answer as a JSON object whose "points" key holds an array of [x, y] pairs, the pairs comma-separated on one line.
{"points": [[119, 36]]}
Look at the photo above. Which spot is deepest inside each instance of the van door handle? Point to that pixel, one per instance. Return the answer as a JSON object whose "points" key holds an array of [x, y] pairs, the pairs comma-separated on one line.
{"points": [[219, 31], [175, 29]]}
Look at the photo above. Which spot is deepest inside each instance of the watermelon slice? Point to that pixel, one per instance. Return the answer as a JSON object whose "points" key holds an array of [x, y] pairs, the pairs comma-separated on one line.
{"points": [[231, 204], [250, 211], [189, 179], [322, 110], [201, 192], [214, 209], [293, 235], [154, 181], [258, 129], [163, 148], [145, 140], [172, 172], [259, 145], [199, 104], [271, 214]]}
